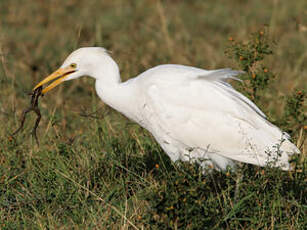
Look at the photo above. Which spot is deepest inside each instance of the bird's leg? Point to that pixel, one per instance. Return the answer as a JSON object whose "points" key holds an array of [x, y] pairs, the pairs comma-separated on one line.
{"points": [[238, 183]]}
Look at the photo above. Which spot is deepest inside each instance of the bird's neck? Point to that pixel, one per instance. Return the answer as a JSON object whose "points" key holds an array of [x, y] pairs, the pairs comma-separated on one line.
{"points": [[120, 96]]}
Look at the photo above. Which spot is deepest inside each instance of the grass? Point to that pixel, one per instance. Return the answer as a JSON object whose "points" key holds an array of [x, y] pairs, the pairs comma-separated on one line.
{"points": [[94, 169]]}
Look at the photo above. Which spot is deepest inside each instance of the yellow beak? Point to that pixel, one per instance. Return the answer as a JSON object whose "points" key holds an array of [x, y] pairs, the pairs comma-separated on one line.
{"points": [[59, 75]]}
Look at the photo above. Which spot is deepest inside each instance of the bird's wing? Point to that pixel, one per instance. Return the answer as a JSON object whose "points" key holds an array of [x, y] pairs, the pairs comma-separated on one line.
{"points": [[221, 76], [203, 111]]}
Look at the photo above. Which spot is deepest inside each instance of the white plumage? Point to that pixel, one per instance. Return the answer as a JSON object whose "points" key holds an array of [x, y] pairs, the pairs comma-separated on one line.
{"points": [[192, 113]]}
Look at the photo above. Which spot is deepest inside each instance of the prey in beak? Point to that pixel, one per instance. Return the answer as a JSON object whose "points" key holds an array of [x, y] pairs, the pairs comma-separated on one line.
{"points": [[58, 76]]}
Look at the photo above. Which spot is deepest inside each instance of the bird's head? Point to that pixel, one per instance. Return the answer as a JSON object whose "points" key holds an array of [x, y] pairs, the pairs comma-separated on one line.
{"points": [[81, 62]]}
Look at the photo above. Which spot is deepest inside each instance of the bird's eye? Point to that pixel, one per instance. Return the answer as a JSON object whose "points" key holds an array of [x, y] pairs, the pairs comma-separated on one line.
{"points": [[73, 65]]}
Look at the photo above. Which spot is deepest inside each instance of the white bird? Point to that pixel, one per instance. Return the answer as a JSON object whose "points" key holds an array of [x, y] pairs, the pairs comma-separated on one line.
{"points": [[194, 114]]}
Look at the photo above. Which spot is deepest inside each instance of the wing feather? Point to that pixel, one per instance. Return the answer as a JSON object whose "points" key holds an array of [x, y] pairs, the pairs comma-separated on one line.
{"points": [[202, 111]]}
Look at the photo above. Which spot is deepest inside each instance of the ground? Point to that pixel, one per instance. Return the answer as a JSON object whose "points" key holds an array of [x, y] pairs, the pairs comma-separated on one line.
{"points": [[94, 169]]}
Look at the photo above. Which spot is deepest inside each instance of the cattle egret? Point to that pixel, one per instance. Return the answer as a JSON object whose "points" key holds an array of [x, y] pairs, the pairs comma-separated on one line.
{"points": [[191, 112]]}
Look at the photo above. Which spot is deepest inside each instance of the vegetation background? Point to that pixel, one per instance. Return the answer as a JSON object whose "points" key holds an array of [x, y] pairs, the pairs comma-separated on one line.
{"points": [[94, 169]]}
